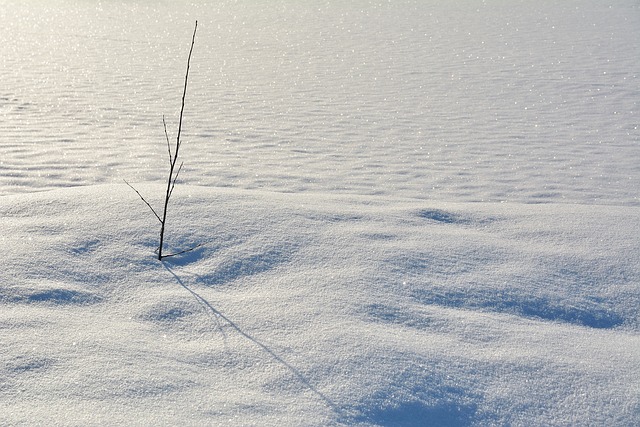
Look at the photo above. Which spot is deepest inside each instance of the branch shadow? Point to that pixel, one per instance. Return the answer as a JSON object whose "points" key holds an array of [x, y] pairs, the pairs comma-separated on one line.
{"points": [[218, 315]]}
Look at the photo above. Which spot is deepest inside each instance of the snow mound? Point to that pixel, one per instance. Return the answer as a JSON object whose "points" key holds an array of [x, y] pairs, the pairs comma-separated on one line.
{"points": [[316, 310]]}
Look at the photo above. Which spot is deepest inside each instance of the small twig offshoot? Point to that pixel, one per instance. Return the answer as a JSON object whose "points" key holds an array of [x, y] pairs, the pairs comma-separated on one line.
{"points": [[173, 160], [143, 199]]}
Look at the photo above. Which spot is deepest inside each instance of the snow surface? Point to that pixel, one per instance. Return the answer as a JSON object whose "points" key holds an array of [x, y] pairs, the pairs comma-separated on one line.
{"points": [[412, 214]]}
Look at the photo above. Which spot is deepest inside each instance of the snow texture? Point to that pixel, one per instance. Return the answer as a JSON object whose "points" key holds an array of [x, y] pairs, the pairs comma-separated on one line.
{"points": [[411, 214]]}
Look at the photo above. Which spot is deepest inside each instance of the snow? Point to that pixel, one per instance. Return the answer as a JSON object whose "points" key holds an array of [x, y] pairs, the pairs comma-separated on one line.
{"points": [[411, 214]]}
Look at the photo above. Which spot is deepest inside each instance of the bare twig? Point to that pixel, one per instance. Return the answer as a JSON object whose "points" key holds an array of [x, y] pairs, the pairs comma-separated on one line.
{"points": [[175, 178], [166, 135], [147, 203], [184, 93], [183, 252], [171, 181], [173, 160]]}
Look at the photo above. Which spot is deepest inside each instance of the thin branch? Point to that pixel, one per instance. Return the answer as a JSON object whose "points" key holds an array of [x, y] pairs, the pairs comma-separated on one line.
{"points": [[171, 181], [184, 93], [183, 252], [166, 135], [147, 203], [175, 178]]}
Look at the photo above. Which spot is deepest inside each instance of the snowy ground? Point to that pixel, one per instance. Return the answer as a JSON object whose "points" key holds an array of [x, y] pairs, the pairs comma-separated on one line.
{"points": [[413, 214]]}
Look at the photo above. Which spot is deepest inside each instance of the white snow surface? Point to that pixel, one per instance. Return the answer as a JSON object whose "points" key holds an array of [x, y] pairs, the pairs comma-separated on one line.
{"points": [[410, 214]]}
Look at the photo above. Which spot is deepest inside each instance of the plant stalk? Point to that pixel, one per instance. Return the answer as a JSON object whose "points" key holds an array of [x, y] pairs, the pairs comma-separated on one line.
{"points": [[171, 181]]}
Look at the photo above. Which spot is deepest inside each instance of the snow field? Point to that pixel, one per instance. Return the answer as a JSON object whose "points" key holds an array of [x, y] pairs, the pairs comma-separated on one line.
{"points": [[316, 310], [412, 214]]}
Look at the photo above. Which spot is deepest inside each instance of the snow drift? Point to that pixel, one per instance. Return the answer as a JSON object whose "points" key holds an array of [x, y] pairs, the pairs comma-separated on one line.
{"points": [[316, 310]]}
